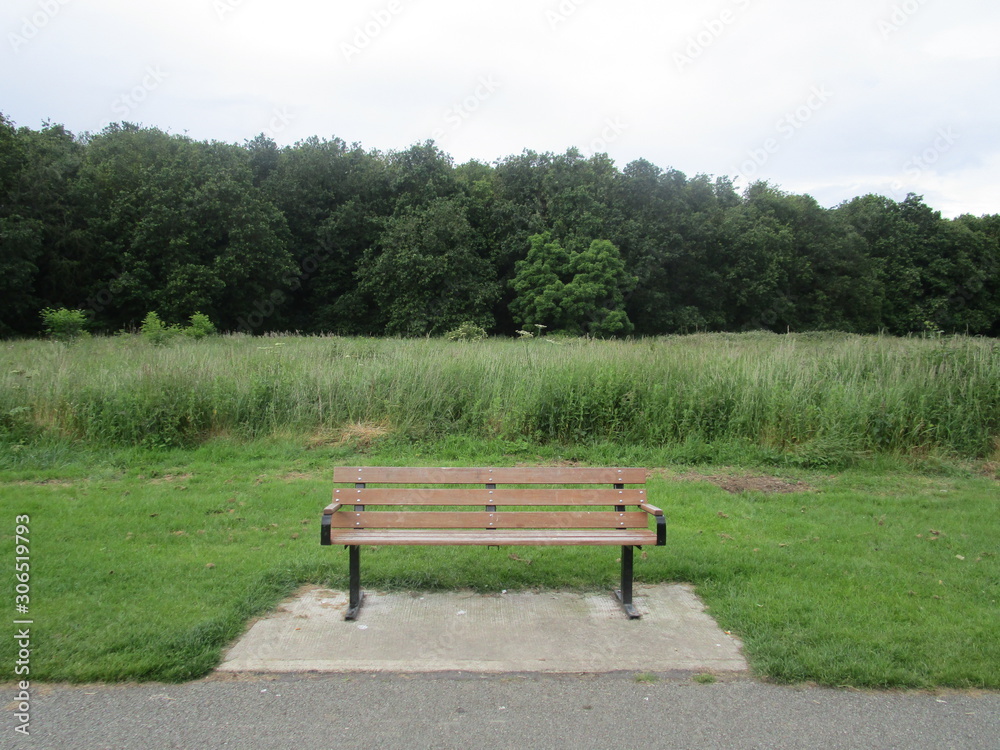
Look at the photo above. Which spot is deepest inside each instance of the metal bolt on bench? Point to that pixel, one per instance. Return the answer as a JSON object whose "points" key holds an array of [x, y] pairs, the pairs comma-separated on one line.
{"points": [[487, 514]]}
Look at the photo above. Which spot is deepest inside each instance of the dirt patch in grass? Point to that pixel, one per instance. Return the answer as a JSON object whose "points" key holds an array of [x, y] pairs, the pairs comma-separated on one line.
{"points": [[991, 469], [739, 483], [322, 438], [363, 435], [360, 436]]}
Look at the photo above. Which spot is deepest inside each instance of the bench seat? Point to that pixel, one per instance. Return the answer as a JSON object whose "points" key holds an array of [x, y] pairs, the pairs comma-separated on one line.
{"points": [[499, 537]]}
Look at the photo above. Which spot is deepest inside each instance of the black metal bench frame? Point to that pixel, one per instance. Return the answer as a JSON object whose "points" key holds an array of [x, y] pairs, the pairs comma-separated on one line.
{"points": [[348, 520]]}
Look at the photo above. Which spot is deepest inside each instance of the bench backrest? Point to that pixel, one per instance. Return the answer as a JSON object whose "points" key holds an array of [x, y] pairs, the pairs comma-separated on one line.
{"points": [[496, 503], [503, 475]]}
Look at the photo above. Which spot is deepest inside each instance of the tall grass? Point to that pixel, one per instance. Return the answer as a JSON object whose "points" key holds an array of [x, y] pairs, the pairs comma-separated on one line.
{"points": [[811, 398]]}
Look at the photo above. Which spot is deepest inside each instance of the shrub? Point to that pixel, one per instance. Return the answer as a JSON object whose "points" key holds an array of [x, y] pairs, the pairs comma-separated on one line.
{"points": [[155, 331], [468, 331], [200, 327], [63, 324]]}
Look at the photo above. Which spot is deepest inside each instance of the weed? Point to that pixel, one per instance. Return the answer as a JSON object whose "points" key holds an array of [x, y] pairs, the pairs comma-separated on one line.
{"points": [[466, 332]]}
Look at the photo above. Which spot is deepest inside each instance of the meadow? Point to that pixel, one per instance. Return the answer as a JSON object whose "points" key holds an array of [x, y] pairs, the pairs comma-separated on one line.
{"points": [[174, 492], [803, 400]]}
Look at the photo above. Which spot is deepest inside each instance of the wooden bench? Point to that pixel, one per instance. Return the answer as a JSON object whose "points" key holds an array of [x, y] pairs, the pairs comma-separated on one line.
{"points": [[490, 507]]}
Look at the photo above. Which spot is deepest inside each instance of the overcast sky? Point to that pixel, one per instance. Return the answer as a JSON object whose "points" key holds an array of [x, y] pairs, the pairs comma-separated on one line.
{"points": [[835, 98]]}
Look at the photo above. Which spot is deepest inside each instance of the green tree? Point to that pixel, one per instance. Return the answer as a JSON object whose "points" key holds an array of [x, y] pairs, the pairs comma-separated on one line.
{"points": [[420, 175], [335, 199], [669, 237], [572, 292], [502, 222], [595, 295], [429, 272], [817, 276], [576, 198], [187, 229], [20, 236], [960, 278], [264, 158], [43, 234], [540, 283], [913, 274], [757, 264]]}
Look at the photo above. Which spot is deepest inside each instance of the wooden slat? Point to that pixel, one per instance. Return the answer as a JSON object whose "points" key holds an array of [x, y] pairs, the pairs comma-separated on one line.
{"points": [[500, 537], [499, 475], [346, 519], [651, 509], [466, 496], [331, 508]]}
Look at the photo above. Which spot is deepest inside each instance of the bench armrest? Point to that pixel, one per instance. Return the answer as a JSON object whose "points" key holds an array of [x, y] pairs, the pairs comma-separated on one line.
{"points": [[324, 529], [661, 523]]}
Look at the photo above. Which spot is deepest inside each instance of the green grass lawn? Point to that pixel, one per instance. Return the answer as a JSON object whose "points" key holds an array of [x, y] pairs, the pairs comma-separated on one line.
{"points": [[146, 564]]}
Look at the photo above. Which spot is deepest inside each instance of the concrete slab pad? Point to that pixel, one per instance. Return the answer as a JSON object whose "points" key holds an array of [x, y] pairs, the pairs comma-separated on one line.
{"points": [[509, 632]]}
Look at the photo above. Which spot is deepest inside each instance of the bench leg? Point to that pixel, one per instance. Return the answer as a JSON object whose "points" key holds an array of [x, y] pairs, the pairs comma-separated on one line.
{"points": [[356, 594], [625, 594]]}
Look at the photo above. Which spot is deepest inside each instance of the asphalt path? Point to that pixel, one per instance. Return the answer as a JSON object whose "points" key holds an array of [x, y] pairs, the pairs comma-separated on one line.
{"points": [[458, 710]]}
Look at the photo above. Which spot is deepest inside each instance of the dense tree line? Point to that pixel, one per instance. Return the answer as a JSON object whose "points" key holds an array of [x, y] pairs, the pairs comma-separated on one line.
{"points": [[324, 236]]}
